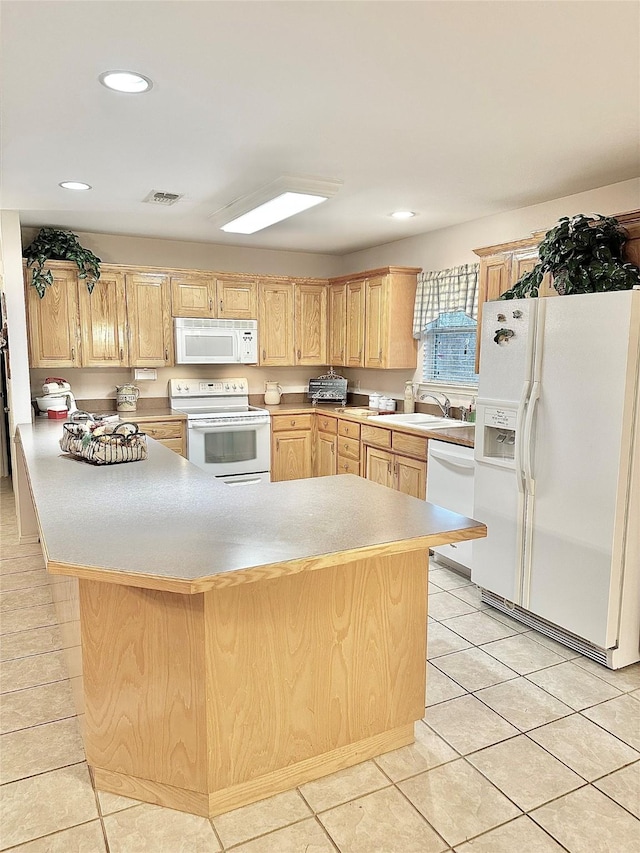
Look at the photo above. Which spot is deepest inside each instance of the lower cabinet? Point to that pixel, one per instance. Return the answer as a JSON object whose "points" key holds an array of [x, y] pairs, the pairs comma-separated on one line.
{"points": [[348, 447], [291, 445], [326, 455], [170, 432], [396, 460]]}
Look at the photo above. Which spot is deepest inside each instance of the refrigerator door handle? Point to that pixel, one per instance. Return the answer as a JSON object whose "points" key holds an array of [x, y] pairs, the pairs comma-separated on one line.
{"points": [[520, 418], [528, 438]]}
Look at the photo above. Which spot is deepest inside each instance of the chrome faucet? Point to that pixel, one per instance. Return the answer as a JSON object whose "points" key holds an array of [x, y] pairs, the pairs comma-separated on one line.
{"points": [[445, 407]]}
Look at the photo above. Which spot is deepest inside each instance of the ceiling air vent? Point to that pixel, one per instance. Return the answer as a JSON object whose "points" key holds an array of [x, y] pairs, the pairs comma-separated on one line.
{"points": [[165, 199]]}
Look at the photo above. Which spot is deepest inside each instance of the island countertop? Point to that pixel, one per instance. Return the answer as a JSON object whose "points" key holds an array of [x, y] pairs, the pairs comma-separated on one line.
{"points": [[162, 523]]}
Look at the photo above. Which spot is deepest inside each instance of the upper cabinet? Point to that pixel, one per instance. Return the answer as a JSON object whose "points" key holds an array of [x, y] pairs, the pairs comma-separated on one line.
{"points": [[149, 318], [337, 311], [379, 318], [205, 295], [292, 322], [124, 322], [103, 322], [53, 322]]}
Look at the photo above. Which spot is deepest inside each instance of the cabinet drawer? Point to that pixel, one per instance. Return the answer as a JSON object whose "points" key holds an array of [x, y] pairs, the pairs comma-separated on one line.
{"points": [[327, 424], [174, 444], [348, 466], [349, 429], [280, 422], [412, 445], [375, 435], [162, 429], [349, 447]]}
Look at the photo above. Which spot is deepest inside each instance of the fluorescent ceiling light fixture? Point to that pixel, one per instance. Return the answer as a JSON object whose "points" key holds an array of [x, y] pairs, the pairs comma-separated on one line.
{"points": [[74, 185], [126, 81], [403, 214], [279, 200]]}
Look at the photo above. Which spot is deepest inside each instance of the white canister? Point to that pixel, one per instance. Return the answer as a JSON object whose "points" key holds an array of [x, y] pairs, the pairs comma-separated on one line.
{"points": [[374, 400], [387, 404], [272, 393], [126, 397]]}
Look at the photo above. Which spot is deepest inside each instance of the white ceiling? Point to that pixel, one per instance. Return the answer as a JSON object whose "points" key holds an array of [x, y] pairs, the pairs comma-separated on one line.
{"points": [[456, 110]]}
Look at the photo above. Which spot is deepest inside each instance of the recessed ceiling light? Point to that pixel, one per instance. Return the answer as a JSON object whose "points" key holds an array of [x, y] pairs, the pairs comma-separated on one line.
{"points": [[126, 81], [74, 185], [403, 214]]}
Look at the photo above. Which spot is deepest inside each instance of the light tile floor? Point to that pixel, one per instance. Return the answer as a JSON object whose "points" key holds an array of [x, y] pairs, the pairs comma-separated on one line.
{"points": [[525, 747]]}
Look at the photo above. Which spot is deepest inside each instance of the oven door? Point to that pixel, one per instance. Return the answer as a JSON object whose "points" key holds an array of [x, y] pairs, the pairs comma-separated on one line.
{"points": [[230, 449]]}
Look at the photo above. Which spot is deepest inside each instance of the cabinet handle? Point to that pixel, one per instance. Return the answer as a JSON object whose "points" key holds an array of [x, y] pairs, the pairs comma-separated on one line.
{"points": [[221, 306], [210, 304], [121, 354], [342, 354], [166, 354], [359, 353], [277, 444], [73, 353], [293, 423], [380, 354], [298, 355], [264, 354]]}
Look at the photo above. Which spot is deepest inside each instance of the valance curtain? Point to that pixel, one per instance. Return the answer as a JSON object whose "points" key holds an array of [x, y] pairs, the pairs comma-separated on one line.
{"points": [[439, 292]]}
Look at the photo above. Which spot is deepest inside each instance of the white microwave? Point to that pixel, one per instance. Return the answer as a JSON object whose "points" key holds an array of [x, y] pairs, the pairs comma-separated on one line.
{"points": [[204, 341]]}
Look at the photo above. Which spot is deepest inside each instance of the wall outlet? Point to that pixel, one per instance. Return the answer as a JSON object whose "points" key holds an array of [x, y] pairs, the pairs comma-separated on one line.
{"points": [[145, 373]]}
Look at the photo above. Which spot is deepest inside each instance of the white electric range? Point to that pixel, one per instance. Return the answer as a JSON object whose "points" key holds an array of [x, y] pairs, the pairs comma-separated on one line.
{"points": [[225, 435]]}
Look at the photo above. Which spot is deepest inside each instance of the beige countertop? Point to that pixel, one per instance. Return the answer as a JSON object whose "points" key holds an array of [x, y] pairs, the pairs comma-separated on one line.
{"points": [[162, 523], [456, 435]]}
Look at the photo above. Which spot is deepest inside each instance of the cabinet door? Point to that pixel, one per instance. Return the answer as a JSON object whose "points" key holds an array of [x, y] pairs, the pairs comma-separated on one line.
{"points": [[237, 298], [310, 324], [193, 296], [494, 279], [523, 262], [291, 455], [378, 466], [53, 320], [354, 341], [411, 476], [337, 323], [149, 320], [103, 322], [375, 314], [275, 323], [326, 457]]}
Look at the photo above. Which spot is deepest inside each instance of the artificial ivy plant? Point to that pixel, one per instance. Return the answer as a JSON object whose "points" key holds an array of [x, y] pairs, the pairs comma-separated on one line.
{"points": [[52, 244], [584, 255]]}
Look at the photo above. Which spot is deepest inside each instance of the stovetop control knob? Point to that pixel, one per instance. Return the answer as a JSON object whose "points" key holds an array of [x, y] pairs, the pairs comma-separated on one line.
{"points": [[178, 388]]}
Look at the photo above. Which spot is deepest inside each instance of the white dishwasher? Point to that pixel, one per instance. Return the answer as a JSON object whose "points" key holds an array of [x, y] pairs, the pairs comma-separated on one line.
{"points": [[450, 472]]}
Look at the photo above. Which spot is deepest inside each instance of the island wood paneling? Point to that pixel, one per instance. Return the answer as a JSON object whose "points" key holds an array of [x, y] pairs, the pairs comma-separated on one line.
{"points": [[143, 659]]}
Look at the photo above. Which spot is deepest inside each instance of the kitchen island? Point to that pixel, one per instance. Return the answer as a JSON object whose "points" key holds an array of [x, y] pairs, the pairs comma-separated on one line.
{"points": [[236, 642]]}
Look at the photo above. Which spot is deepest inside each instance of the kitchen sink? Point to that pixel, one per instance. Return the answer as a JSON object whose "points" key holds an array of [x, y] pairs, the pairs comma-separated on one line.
{"points": [[417, 420]]}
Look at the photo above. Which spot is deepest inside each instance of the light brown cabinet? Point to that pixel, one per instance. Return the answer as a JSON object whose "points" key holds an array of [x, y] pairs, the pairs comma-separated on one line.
{"points": [[348, 447], [326, 456], [337, 311], [291, 448], [53, 322], [149, 319], [292, 323], [103, 322], [275, 323], [396, 460], [168, 431], [205, 295], [378, 320]]}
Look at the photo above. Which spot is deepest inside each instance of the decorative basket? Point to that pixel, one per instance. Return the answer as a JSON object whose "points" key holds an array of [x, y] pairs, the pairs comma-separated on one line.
{"points": [[105, 445]]}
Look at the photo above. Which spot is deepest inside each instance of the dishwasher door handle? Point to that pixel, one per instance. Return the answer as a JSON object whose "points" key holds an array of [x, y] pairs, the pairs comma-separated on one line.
{"points": [[452, 459]]}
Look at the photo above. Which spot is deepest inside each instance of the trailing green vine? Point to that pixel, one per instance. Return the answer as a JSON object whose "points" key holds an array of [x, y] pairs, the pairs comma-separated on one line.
{"points": [[584, 255], [52, 244]]}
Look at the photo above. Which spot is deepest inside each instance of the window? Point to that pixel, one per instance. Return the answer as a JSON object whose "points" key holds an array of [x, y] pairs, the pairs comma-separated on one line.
{"points": [[450, 350]]}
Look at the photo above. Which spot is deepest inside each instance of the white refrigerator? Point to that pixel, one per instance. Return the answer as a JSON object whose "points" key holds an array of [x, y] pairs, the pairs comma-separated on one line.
{"points": [[557, 478]]}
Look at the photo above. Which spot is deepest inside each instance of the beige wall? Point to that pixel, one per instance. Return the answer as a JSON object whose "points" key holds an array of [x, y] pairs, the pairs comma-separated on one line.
{"points": [[145, 251], [452, 246]]}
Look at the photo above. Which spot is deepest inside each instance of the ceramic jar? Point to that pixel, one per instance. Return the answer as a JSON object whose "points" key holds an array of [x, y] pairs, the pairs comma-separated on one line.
{"points": [[272, 393], [127, 397]]}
